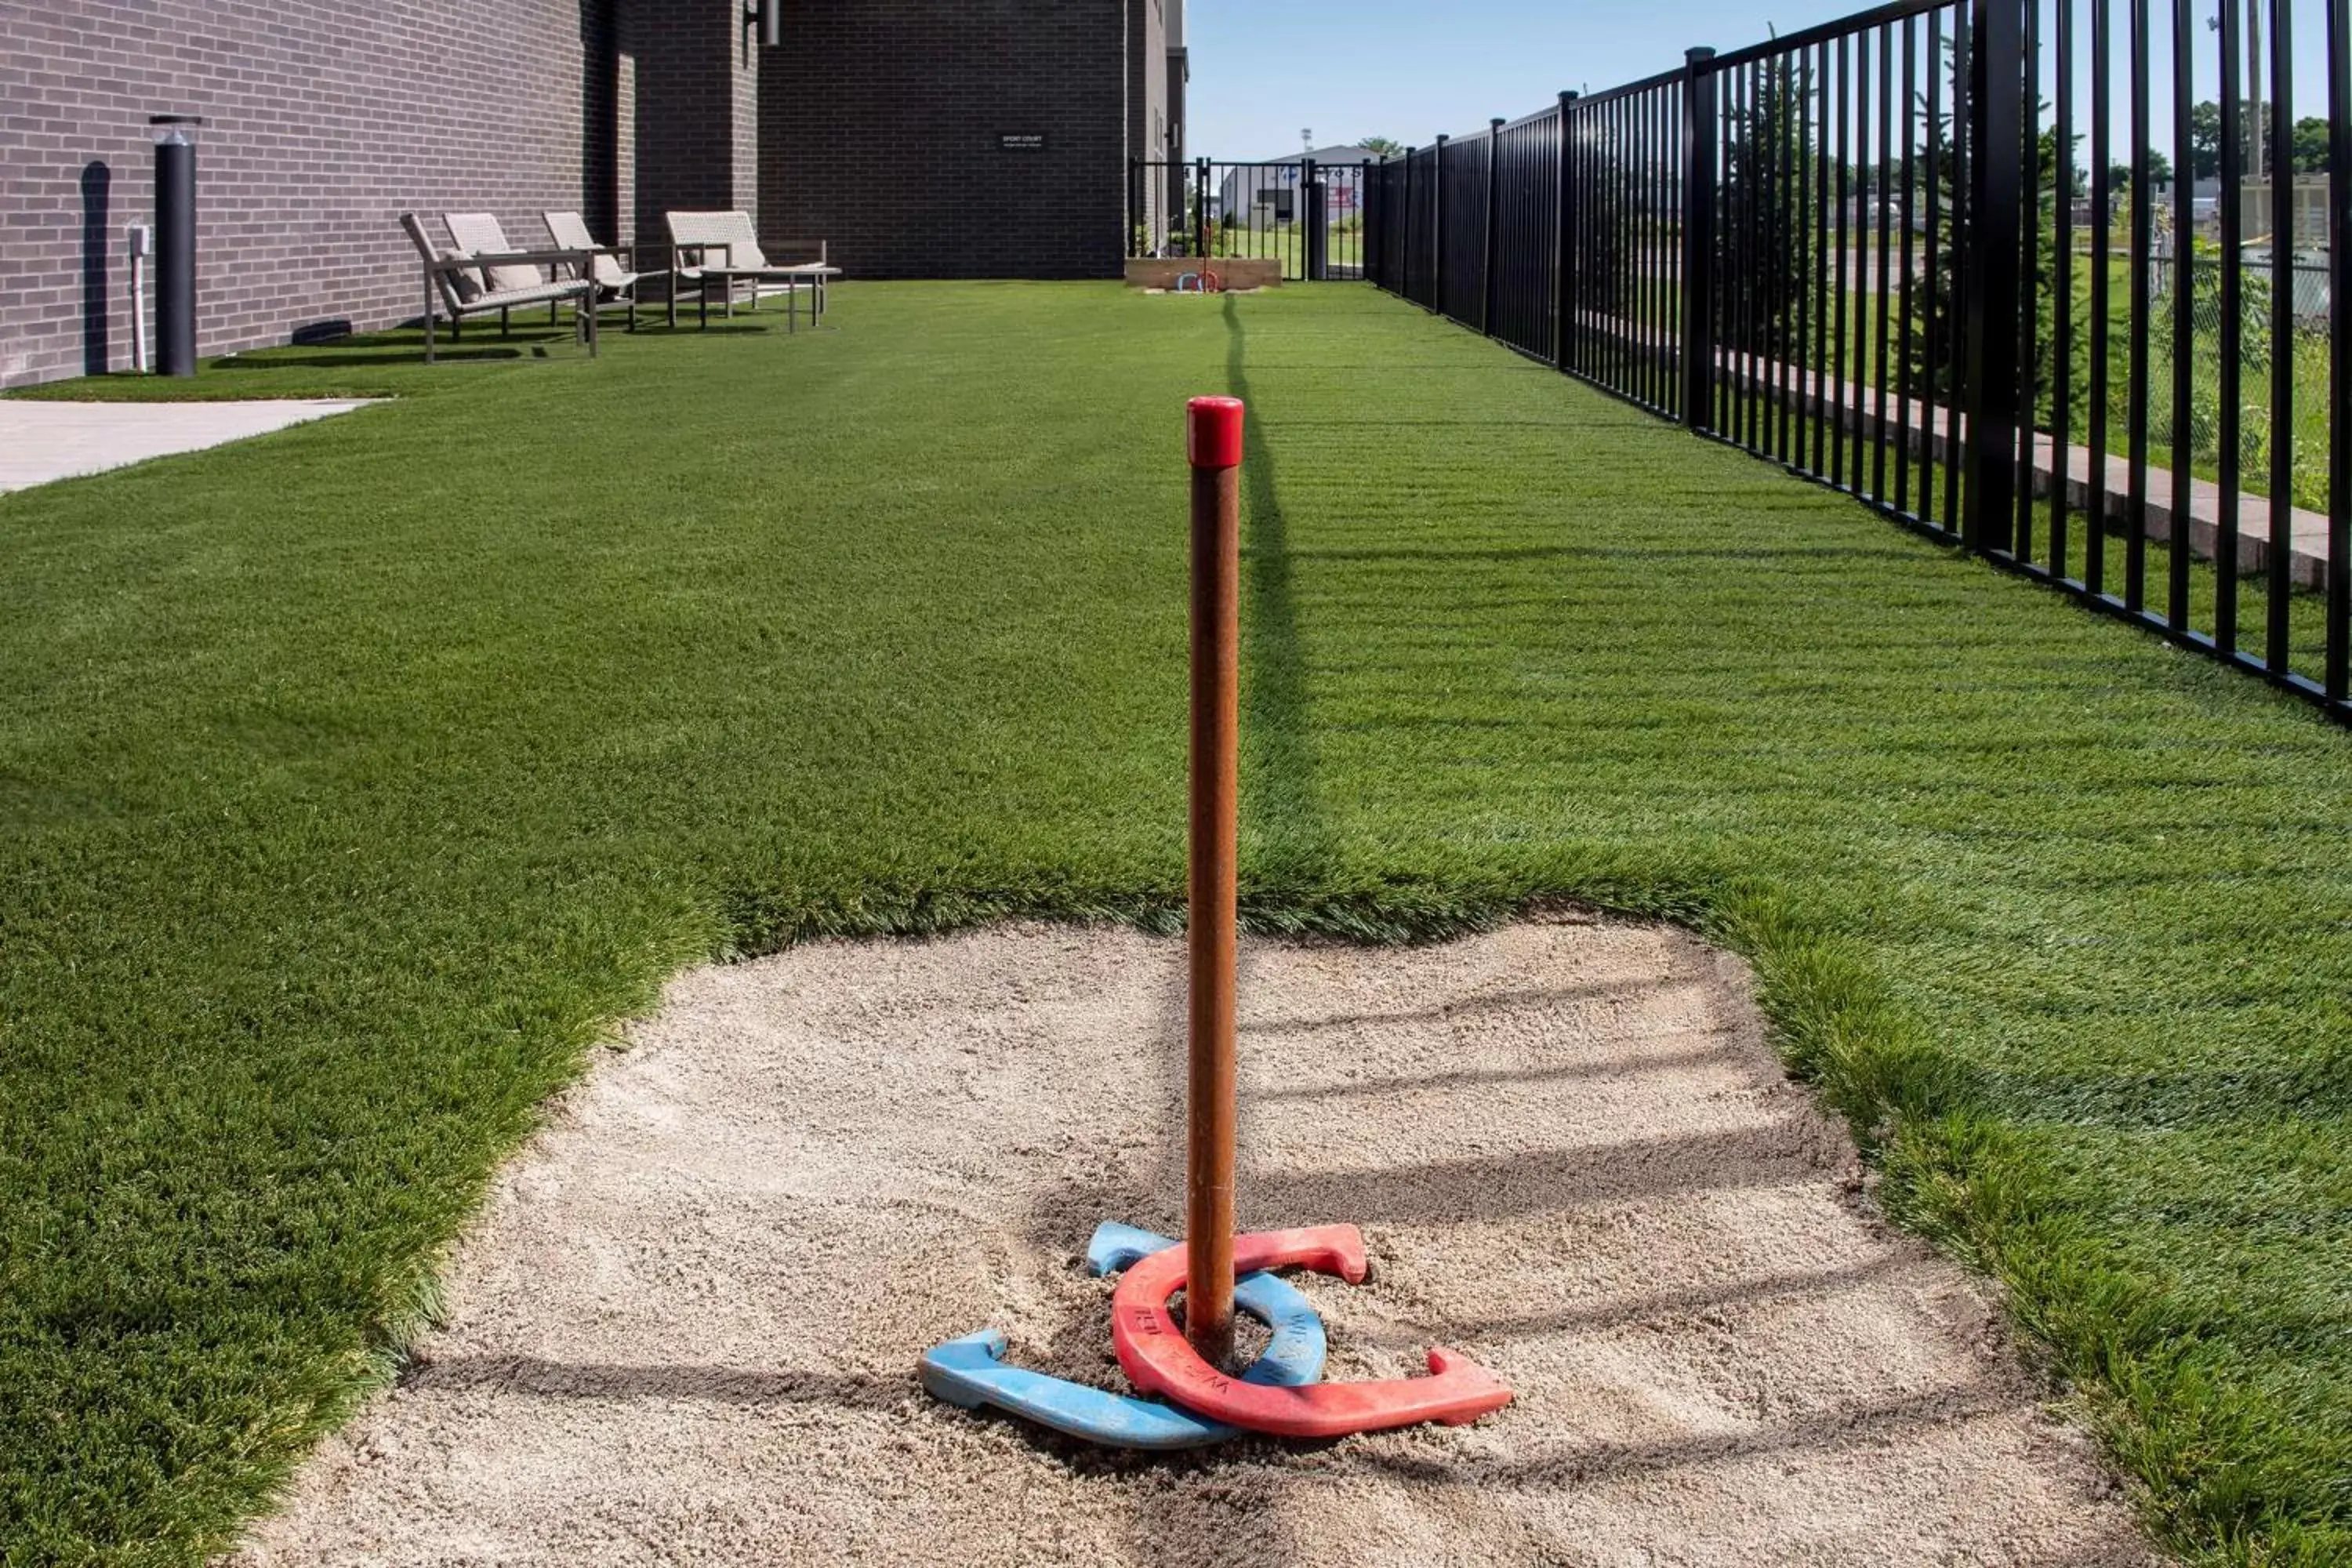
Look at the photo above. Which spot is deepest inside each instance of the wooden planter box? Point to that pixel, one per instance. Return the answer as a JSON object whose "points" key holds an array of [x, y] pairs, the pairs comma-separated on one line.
{"points": [[1238, 271]]}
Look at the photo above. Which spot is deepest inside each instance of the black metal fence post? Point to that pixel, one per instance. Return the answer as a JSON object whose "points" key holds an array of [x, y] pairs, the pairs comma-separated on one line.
{"points": [[1135, 236], [1487, 260], [1697, 326], [1437, 228], [1404, 230], [1563, 293], [1989, 311], [2278, 651], [1317, 221], [1200, 209], [2337, 673]]}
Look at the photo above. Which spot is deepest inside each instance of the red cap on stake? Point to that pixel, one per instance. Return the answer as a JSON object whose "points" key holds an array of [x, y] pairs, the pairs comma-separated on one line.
{"points": [[1213, 432]]}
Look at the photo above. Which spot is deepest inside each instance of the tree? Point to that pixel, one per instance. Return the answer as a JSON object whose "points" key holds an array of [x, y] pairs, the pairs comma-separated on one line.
{"points": [[2308, 150], [1770, 165], [2310, 145], [2058, 176], [2205, 140], [2159, 171], [1384, 146]]}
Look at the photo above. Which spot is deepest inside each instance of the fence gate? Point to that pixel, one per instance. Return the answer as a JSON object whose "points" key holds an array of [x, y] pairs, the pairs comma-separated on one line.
{"points": [[1307, 215]]}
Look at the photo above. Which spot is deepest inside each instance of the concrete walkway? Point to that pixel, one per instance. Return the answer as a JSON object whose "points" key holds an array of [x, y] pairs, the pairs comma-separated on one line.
{"points": [[44, 441]]}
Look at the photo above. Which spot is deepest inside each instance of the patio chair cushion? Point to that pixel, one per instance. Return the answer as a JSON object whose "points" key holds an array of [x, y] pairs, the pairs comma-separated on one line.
{"points": [[457, 288], [467, 285], [735, 230], [727, 240], [479, 233], [742, 241], [570, 232]]}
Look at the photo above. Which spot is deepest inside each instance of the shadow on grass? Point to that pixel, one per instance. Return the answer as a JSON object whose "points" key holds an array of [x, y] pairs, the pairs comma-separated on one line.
{"points": [[504, 353], [1278, 766], [406, 348]]}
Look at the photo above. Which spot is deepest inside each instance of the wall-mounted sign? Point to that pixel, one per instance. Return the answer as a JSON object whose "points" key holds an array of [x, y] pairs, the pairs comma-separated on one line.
{"points": [[1022, 143]]}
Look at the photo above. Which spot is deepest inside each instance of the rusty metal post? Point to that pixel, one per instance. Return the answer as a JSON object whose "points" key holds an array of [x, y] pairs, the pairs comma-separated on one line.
{"points": [[1213, 446]]}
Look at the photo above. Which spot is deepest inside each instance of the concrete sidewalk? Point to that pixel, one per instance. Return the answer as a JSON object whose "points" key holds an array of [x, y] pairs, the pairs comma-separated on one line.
{"points": [[44, 441]]}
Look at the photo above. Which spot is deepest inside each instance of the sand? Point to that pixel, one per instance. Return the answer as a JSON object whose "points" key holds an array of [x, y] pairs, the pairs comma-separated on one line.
{"points": [[686, 1329]]}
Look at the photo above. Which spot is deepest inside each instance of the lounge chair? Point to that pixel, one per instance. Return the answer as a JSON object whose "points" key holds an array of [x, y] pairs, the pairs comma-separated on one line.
{"points": [[616, 282], [721, 250], [483, 274]]}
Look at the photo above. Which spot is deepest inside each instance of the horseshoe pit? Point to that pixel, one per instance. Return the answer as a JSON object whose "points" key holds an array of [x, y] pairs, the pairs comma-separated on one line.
{"points": [[686, 1330]]}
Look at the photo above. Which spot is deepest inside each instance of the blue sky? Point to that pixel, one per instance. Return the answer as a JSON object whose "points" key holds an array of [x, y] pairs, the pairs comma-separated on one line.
{"points": [[1263, 70]]}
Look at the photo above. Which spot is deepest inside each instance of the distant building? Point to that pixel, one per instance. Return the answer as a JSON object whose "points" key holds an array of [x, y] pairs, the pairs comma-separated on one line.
{"points": [[1268, 193], [2306, 206]]}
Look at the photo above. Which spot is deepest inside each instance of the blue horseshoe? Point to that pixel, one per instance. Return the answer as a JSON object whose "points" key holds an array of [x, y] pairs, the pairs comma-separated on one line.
{"points": [[966, 1372]]}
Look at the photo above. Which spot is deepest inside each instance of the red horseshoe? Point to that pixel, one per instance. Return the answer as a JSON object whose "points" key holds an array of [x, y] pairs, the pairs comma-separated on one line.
{"points": [[1153, 1355]]}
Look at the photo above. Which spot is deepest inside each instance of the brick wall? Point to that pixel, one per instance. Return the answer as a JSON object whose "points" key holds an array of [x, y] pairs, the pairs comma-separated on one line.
{"points": [[1179, 76], [1146, 105], [325, 120], [880, 128], [883, 125], [695, 131]]}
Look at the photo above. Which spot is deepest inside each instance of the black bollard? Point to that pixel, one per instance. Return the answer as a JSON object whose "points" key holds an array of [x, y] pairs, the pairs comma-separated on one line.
{"points": [[176, 242], [1318, 231]]}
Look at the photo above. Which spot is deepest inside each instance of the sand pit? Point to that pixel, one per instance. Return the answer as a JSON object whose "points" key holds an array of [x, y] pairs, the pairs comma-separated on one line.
{"points": [[686, 1330]]}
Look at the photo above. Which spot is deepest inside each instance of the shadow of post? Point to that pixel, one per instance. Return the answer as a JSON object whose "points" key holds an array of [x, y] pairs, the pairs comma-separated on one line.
{"points": [[97, 186], [1279, 791]]}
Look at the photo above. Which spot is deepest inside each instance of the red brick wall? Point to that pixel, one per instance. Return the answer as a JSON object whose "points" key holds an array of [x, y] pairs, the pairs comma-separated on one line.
{"points": [[325, 120]]}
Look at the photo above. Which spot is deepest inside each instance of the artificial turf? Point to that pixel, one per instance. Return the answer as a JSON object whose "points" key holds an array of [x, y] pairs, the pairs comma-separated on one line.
{"points": [[355, 780]]}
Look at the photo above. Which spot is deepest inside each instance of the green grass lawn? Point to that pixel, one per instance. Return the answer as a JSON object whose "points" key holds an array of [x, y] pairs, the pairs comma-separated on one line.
{"points": [[357, 779], [1256, 234]]}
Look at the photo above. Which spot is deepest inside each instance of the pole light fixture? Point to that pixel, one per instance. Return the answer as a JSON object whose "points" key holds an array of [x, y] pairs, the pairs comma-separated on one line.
{"points": [[768, 16], [176, 241]]}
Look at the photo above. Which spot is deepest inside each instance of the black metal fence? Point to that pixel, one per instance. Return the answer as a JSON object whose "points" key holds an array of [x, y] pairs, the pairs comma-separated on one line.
{"points": [[1307, 215], [1933, 254]]}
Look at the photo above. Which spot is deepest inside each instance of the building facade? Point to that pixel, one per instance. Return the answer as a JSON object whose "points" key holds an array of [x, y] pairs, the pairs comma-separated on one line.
{"points": [[919, 138], [1270, 189]]}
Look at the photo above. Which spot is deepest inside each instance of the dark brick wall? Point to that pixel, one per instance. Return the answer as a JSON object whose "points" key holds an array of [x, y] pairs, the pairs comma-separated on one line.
{"points": [[882, 125], [695, 131], [1146, 103], [1180, 77], [326, 119]]}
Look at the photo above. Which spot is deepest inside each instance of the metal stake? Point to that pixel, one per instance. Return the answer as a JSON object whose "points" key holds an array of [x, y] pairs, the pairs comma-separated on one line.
{"points": [[1215, 449]]}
